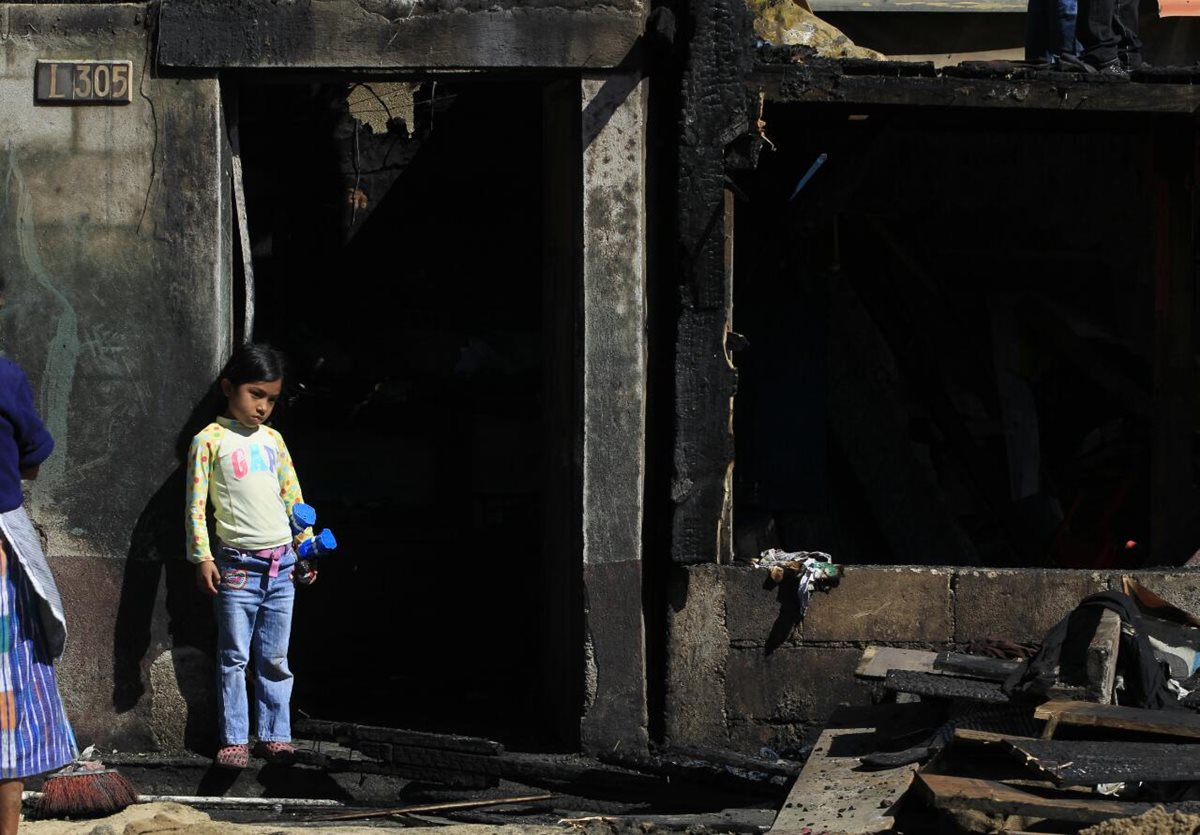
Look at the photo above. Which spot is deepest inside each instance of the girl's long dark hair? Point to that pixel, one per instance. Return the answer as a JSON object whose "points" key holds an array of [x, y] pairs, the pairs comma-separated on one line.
{"points": [[251, 362]]}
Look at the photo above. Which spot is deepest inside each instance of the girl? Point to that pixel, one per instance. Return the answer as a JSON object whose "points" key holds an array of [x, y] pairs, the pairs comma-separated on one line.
{"points": [[243, 466], [34, 733]]}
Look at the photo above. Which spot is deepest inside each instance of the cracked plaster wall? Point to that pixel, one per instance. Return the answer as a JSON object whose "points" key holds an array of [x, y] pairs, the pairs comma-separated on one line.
{"points": [[114, 227]]}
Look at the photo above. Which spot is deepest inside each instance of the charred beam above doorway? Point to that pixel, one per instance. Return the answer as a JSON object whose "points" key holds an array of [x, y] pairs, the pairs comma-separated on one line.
{"points": [[399, 34]]}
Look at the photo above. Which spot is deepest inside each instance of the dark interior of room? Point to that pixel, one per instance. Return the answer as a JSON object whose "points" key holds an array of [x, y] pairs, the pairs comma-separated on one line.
{"points": [[957, 333], [399, 266]]}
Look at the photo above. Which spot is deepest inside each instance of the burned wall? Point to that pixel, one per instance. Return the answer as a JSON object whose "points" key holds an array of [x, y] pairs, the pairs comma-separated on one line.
{"points": [[746, 670], [115, 235], [399, 33]]}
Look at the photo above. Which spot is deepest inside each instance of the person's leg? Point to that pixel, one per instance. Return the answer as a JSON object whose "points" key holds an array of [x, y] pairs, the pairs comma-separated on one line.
{"points": [[1065, 14], [272, 676], [1129, 45], [10, 806], [1094, 29], [1037, 31], [236, 606]]}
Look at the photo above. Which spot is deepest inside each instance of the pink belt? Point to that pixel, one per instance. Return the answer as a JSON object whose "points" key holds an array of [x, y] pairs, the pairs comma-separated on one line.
{"points": [[272, 554]]}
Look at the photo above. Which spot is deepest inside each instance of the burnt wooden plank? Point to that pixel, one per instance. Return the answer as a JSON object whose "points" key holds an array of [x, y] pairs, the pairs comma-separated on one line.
{"points": [[424, 773], [553, 770], [722, 757], [345, 34], [689, 771], [324, 729], [975, 666], [1119, 717], [959, 793], [1088, 762], [801, 83], [945, 687]]}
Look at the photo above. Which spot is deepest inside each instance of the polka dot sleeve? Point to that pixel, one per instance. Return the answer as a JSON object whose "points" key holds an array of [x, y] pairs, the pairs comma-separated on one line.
{"points": [[202, 455]]}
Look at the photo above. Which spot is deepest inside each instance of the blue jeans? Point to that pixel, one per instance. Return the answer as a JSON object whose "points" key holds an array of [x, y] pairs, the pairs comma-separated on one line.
{"points": [[1050, 29], [254, 622]]}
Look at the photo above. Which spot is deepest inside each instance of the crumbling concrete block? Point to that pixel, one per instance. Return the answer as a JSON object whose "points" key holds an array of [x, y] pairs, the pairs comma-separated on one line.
{"points": [[1179, 588], [1017, 604], [893, 605], [754, 606], [793, 684], [751, 737], [697, 654]]}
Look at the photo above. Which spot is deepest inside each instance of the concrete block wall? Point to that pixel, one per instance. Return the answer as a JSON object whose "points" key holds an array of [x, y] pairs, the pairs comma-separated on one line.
{"points": [[114, 228], [745, 671]]}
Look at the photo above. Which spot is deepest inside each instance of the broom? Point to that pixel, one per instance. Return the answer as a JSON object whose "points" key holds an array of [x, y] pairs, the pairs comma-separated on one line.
{"points": [[84, 789]]}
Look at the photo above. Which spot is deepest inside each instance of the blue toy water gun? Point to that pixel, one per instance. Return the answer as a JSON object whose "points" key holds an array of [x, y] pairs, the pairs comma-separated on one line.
{"points": [[322, 543]]}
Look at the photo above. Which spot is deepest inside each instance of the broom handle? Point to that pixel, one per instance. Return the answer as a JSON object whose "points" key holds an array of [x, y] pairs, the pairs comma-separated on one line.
{"points": [[437, 807], [191, 800]]}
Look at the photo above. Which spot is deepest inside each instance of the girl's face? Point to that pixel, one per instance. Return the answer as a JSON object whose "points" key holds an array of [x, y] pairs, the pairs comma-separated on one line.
{"points": [[251, 403]]}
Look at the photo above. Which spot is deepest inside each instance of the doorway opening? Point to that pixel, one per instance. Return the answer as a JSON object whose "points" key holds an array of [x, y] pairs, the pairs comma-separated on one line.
{"points": [[396, 232]]}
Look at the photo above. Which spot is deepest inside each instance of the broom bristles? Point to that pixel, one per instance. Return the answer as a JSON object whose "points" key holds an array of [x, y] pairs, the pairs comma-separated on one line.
{"points": [[85, 794]]}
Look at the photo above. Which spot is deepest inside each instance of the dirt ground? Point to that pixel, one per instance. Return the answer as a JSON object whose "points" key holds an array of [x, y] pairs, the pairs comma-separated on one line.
{"points": [[176, 819], [1154, 822]]}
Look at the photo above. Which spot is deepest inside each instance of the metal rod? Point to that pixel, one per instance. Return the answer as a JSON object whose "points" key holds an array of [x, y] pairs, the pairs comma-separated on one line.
{"points": [[249, 802], [436, 807]]}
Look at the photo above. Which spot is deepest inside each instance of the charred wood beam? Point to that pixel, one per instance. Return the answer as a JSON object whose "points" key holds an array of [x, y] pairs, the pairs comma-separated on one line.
{"points": [[956, 793], [681, 770], [448, 774], [933, 685], [819, 80], [1089, 762], [782, 768], [715, 107], [323, 729], [1175, 723]]}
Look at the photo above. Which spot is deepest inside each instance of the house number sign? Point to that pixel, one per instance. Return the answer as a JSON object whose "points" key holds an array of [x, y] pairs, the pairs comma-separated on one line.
{"points": [[83, 82]]}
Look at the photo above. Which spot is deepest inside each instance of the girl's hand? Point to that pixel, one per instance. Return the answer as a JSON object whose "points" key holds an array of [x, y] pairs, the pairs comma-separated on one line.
{"points": [[208, 577]]}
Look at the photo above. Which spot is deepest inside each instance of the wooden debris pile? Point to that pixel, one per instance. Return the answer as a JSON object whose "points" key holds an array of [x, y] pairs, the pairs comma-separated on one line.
{"points": [[956, 747], [462, 761]]}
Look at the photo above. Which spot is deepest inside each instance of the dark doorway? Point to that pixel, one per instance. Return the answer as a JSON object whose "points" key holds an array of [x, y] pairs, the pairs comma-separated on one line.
{"points": [[398, 256]]}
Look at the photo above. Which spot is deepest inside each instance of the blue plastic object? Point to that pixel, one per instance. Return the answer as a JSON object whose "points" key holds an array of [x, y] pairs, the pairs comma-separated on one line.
{"points": [[303, 516], [322, 543]]}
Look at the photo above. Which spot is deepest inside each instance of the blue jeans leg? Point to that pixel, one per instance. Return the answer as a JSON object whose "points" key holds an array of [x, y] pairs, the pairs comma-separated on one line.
{"points": [[235, 612], [272, 678], [254, 621]]}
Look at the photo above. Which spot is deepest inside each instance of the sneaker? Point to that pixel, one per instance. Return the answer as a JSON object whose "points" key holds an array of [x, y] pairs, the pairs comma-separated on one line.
{"points": [[1071, 63], [1132, 61], [233, 756], [280, 753], [1113, 69]]}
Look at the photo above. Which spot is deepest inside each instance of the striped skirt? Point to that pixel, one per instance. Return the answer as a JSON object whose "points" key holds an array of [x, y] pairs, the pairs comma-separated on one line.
{"points": [[35, 736]]}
